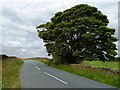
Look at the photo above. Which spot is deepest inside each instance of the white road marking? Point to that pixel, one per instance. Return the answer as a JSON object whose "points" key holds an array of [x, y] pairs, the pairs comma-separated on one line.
{"points": [[37, 67], [56, 78], [33, 63]]}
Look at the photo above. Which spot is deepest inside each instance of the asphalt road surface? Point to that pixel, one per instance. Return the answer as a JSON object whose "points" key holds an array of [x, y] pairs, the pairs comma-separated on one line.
{"points": [[38, 75]]}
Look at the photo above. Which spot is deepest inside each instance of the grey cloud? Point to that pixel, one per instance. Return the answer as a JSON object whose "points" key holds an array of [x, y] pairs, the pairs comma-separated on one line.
{"points": [[13, 16], [19, 17], [19, 22]]}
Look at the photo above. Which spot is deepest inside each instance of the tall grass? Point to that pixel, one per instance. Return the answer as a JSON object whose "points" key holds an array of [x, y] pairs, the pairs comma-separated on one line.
{"points": [[0, 74], [98, 75], [10, 72]]}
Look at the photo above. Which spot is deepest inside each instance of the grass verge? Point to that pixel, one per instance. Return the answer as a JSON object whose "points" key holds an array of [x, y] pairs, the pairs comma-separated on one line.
{"points": [[10, 72], [0, 73], [99, 75]]}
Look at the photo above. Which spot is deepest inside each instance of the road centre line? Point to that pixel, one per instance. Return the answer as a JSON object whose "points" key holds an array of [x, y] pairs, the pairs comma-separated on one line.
{"points": [[37, 67], [56, 78], [33, 63]]}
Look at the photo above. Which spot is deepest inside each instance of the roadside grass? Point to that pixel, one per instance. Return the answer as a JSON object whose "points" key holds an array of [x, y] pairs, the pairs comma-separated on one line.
{"points": [[99, 75], [43, 61], [10, 72], [0, 74]]}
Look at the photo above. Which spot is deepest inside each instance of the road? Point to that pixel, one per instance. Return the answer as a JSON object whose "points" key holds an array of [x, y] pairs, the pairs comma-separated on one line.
{"points": [[38, 75]]}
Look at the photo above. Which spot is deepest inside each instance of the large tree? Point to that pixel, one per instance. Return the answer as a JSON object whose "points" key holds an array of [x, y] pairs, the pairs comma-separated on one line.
{"points": [[78, 33]]}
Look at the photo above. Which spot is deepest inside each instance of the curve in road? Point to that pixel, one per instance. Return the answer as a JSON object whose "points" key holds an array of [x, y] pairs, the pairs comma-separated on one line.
{"points": [[38, 75]]}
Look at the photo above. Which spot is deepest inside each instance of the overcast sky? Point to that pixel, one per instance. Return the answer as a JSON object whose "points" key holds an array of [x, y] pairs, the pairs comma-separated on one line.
{"points": [[19, 19]]}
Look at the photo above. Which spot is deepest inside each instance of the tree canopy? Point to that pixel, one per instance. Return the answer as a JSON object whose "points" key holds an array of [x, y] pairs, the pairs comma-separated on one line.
{"points": [[77, 34]]}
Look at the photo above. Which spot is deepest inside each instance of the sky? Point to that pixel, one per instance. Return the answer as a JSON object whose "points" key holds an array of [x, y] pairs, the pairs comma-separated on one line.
{"points": [[19, 19]]}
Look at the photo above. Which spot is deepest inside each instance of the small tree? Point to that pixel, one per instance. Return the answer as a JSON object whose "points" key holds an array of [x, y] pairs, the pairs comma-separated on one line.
{"points": [[78, 33]]}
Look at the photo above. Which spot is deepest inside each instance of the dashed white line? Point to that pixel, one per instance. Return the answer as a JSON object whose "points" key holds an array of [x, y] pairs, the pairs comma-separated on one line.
{"points": [[37, 67], [33, 63], [56, 78], [51, 75]]}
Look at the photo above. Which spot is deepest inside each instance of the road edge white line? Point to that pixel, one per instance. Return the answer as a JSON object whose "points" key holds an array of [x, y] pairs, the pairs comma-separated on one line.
{"points": [[56, 78]]}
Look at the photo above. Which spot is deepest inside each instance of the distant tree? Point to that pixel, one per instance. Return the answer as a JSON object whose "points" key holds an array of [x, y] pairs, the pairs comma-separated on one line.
{"points": [[78, 33]]}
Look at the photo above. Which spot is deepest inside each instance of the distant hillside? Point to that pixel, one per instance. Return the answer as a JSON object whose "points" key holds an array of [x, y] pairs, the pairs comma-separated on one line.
{"points": [[37, 58], [3, 56]]}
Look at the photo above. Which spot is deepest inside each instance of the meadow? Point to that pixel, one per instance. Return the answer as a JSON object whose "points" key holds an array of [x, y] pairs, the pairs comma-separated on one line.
{"points": [[99, 64]]}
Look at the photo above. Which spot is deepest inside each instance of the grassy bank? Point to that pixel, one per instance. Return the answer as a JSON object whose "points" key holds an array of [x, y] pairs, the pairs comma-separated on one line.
{"points": [[10, 72], [84, 70], [0, 74]]}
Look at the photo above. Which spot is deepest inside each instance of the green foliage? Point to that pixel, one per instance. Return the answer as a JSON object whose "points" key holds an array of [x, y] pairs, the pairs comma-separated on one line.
{"points": [[78, 33]]}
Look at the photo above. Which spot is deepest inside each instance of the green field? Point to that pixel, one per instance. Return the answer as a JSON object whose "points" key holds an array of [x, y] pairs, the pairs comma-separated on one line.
{"points": [[11, 72], [99, 64], [104, 76]]}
